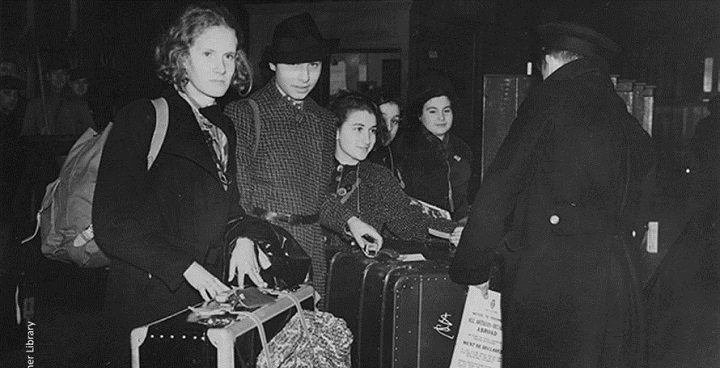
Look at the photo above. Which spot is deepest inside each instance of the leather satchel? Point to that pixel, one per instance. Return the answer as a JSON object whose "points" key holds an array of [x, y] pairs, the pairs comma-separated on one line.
{"points": [[290, 264]]}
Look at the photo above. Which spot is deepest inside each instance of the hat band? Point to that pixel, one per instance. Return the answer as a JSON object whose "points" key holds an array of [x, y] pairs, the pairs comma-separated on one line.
{"points": [[293, 51], [572, 44]]}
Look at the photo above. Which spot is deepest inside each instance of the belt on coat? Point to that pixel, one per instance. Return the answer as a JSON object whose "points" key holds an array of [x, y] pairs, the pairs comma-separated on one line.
{"points": [[287, 218]]}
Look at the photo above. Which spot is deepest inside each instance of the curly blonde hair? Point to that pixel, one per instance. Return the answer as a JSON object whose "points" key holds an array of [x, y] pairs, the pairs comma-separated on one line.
{"points": [[173, 47]]}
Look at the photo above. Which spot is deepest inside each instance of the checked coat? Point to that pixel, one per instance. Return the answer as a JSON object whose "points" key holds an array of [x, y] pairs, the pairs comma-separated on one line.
{"points": [[293, 162]]}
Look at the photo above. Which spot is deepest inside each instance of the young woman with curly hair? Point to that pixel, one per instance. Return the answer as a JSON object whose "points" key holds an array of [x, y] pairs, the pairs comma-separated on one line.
{"points": [[163, 228]]}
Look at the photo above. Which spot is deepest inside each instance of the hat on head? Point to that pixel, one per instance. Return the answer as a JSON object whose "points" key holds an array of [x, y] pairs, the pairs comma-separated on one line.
{"points": [[297, 40], [10, 82], [79, 73], [55, 63], [576, 38]]}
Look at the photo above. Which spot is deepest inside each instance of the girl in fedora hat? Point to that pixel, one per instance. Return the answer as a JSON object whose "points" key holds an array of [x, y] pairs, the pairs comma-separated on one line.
{"points": [[282, 175]]}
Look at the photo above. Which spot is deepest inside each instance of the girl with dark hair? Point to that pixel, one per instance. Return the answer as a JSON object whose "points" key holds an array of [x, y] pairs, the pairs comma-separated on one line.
{"points": [[163, 228], [435, 164], [368, 189], [389, 106]]}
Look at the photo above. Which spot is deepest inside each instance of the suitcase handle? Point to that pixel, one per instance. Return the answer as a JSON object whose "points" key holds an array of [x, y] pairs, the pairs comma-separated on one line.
{"points": [[261, 332]]}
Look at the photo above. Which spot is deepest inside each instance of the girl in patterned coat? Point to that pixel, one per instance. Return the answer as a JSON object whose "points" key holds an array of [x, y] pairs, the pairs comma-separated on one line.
{"points": [[367, 189]]}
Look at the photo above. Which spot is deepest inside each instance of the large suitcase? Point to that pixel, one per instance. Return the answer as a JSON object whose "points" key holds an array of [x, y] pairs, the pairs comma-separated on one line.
{"points": [[174, 342], [402, 314]]}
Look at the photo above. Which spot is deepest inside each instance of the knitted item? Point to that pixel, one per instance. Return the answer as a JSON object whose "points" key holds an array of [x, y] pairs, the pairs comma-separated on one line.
{"points": [[326, 343]]}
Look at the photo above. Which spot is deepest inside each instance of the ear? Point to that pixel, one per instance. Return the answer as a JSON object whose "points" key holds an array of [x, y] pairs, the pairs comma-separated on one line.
{"points": [[272, 66], [337, 134]]}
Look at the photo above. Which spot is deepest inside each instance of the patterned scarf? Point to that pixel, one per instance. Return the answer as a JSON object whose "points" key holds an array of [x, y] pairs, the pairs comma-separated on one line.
{"points": [[215, 138]]}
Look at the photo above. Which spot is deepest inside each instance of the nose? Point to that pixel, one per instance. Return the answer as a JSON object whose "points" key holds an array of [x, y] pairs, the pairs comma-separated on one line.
{"points": [[305, 73], [219, 66], [367, 138], [442, 116]]}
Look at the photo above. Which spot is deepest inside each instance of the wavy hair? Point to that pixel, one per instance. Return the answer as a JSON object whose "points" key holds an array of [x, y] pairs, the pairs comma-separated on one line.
{"points": [[173, 47], [345, 102]]}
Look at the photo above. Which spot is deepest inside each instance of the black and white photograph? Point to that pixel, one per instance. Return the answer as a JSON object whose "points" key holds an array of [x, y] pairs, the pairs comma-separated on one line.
{"points": [[359, 183]]}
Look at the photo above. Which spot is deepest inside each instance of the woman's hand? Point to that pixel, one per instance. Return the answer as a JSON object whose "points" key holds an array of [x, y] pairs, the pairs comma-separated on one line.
{"points": [[203, 281], [360, 231], [243, 261], [456, 234]]}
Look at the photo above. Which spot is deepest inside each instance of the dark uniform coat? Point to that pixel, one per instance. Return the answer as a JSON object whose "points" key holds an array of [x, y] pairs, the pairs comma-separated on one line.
{"points": [[551, 205], [154, 224], [430, 167], [291, 167]]}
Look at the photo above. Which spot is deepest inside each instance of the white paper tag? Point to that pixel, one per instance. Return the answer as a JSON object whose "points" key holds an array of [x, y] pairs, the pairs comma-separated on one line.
{"points": [[412, 257], [652, 237], [479, 341]]}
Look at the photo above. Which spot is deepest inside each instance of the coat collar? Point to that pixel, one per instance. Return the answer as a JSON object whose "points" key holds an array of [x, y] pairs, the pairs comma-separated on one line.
{"points": [[309, 105], [583, 66], [185, 139]]}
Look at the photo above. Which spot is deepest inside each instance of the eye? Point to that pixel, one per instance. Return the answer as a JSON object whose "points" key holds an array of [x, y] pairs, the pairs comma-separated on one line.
{"points": [[373, 130], [447, 110], [315, 64], [230, 56], [207, 53]]}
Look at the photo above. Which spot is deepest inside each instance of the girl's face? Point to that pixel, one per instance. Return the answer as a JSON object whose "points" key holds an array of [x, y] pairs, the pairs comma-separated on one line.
{"points": [[437, 116], [355, 137], [391, 116], [210, 64]]}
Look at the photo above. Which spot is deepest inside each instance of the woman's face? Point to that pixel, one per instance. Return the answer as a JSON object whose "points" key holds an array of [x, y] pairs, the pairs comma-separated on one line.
{"points": [[210, 64], [356, 137], [391, 116], [437, 116]]}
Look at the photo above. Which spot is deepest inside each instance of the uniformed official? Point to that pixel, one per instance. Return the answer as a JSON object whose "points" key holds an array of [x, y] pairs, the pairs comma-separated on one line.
{"points": [[559, 206]]}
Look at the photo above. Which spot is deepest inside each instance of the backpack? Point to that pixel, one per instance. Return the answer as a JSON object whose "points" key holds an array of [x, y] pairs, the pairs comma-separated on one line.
{"points": [[64, 219]]}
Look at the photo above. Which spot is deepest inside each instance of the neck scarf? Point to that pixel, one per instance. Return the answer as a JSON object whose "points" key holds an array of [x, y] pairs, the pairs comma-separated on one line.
{"points": [[215, 138]]}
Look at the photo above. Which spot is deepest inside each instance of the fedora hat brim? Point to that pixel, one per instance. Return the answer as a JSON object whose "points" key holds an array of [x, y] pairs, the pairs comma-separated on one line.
{"points": [[298, 53]]}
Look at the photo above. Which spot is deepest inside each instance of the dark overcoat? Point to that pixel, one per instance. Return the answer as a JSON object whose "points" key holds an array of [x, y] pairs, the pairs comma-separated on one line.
{"points": [[293, 162], [154, 224], [551, 206], [429, 169]]}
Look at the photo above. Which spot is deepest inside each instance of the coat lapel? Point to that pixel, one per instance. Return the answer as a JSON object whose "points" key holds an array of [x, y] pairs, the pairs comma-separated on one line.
{"points": [[184, 137]]}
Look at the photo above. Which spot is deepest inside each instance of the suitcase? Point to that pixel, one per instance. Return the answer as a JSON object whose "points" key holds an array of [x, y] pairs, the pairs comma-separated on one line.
{"points": [[174, 342], [402, 314]]}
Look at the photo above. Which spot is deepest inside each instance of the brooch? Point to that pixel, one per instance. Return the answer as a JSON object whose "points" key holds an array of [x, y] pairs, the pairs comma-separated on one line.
{"points": [[457, 158]]}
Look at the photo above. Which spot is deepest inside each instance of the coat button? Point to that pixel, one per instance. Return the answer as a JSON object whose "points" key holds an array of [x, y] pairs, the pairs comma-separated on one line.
{"points": [[554, 219]]}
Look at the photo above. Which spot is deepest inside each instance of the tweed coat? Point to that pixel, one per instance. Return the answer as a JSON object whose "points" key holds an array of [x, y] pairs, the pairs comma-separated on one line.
{"points": [[292, 164], [551, 206], [427, 169], [154, 224], [379, 201]]}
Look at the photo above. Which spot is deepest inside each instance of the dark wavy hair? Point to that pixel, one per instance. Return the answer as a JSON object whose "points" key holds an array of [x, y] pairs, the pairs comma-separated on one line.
{"points": [[173, 47], [345, 102]]}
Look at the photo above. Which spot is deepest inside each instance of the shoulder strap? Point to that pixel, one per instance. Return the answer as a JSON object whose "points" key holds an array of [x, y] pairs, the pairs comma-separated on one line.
{"points": [[161, 127], [256, 118]]}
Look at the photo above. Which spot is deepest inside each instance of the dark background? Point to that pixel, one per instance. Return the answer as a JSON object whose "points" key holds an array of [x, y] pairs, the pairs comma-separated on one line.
{"points": [[664, 43]]}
